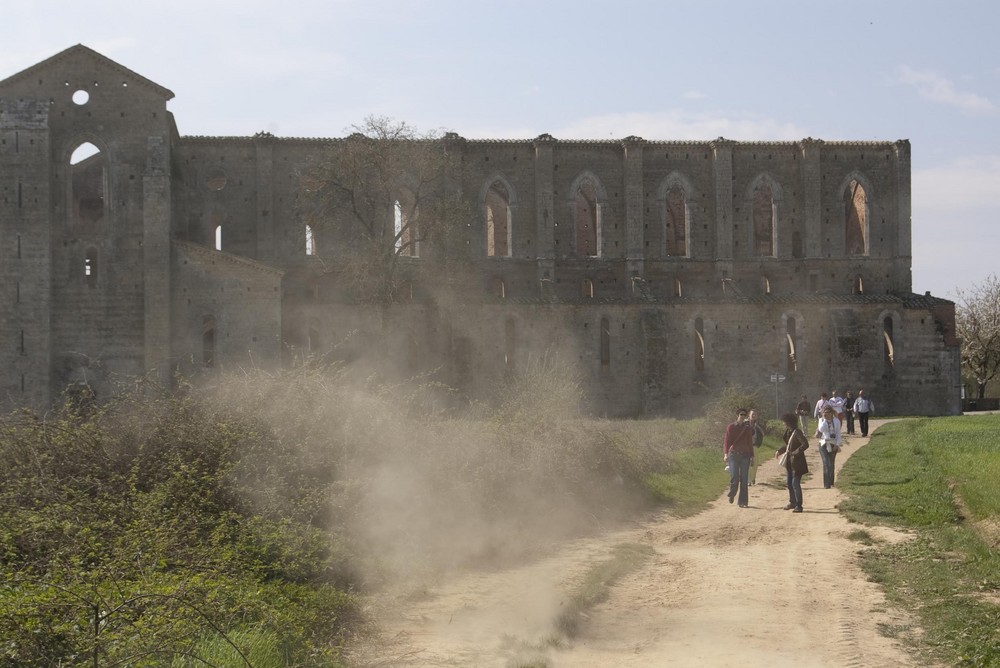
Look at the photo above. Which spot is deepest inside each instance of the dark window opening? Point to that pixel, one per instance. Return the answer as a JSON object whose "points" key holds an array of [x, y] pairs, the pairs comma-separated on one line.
{"points": [[208, 341], [605, 344], [88, 174], [889, 347], [699, 344], [763, 222], [587, 220], [676, 222], [498, 221], [856, 219]]}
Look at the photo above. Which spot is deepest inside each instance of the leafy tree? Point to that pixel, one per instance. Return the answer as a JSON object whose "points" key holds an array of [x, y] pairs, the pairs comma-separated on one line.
{"points": [[382, 195], [977, 322]]}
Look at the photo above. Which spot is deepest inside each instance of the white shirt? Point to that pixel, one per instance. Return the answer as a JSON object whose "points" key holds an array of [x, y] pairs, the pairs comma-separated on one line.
{"points": [[863, 405], [828, 431]]}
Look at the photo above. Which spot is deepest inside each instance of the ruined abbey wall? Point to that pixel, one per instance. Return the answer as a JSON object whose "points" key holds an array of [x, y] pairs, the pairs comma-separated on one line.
{"points": [[662, 271]]}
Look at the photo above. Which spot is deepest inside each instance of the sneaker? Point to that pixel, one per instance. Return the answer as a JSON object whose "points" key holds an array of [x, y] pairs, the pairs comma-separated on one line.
{"points": [[744, 505], [797, 510], [731, 497], [789, 506]]}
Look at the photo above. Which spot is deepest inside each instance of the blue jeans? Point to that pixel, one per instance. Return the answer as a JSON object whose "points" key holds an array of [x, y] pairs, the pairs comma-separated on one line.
{"points": [[794, 483], [739, 477], [828, 458]]}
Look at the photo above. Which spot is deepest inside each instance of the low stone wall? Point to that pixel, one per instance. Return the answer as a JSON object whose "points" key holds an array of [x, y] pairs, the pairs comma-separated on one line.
{"points": [[987, 404]]}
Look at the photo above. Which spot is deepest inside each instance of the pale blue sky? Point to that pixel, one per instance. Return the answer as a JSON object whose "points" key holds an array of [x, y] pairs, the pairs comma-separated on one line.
{"points": [[762, 70]]}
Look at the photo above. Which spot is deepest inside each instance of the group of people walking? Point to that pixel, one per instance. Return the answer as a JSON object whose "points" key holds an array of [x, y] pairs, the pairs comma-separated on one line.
{"points": [[847, 407], [829, 412]]}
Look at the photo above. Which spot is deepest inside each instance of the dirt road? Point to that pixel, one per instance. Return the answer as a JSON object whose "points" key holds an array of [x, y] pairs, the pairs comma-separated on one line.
{"points": [[758, 586]]}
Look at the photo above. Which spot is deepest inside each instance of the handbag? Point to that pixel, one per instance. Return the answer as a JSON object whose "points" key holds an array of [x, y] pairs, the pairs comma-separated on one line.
{"points": [[784, 455], [783, 458]]}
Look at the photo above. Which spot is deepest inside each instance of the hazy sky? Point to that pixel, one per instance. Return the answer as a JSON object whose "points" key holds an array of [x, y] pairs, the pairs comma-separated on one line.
{"points": [[661, 69]]}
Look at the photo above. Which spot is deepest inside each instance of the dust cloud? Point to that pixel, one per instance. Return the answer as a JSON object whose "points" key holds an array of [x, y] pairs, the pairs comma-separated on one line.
{"points": [[411, 493]]}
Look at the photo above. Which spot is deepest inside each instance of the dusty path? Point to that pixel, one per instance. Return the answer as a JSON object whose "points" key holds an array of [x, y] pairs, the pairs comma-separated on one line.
{"points": [[752, 587]]}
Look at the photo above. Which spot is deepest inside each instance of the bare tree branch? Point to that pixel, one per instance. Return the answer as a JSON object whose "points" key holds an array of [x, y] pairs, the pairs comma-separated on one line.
{"points": [[977, 322]]}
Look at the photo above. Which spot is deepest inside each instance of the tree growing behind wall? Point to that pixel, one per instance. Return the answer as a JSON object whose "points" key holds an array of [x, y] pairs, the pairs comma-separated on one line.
{"points": [[385, 196], [977, 323]]}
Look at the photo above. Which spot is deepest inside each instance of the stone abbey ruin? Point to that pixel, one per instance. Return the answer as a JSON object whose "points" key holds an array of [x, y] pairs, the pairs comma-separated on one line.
{"points": [[665, 270]]}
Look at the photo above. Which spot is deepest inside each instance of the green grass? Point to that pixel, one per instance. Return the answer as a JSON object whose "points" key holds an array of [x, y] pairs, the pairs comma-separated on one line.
{"points": [[696, 476], [937, 478]]}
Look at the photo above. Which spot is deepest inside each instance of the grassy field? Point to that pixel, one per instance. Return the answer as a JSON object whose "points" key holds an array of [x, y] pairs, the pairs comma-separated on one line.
{"points": [[937, 479]]}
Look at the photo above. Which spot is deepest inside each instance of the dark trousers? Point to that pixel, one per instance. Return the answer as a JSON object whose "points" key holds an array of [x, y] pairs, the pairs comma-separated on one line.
{"points": [[863, 423], [794, 483], [850, 422], [828, 459]]}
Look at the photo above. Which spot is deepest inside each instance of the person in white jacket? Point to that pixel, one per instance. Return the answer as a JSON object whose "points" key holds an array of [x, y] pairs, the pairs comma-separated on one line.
{"points": [[821, 404], [828, 433], [863, 409], [836, 402]]}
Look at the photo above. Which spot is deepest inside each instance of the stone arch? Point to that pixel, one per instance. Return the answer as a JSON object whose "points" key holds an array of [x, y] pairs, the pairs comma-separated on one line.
{"points": [[763, 197], [889, 325], [498, 200], [792, 325], [698, 327], [587, 201], [89, 198], [856, 193], [858, 285], [672, 197]]}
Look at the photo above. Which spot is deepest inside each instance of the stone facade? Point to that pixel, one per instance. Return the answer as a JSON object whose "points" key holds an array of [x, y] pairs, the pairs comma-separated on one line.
{"points": [[666, 270]]}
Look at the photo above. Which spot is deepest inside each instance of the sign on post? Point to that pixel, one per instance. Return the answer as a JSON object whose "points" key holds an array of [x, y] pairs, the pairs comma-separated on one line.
{"points": [[777, 378]]}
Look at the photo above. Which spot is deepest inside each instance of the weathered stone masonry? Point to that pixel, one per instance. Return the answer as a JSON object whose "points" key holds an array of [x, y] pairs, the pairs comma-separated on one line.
{"points": [[667, 270]]}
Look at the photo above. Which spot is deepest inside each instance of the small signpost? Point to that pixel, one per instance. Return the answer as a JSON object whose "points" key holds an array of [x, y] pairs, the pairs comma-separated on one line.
{"points": [[777, 378]]}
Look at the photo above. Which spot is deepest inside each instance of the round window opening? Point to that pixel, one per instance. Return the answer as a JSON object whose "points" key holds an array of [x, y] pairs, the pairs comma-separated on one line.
{"points": [[216, 181], [81, 97]]}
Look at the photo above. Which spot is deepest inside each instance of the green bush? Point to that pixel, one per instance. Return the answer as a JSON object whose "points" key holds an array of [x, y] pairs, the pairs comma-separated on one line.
{"points": [[126, 535]]}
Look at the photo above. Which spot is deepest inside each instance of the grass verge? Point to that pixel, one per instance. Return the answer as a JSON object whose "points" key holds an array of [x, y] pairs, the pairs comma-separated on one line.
{"points": [[597, 582], [695, 477], [936, 478]]}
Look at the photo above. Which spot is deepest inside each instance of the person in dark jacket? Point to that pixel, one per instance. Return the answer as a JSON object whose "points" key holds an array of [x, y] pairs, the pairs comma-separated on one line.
{"points": [[795, 445]]}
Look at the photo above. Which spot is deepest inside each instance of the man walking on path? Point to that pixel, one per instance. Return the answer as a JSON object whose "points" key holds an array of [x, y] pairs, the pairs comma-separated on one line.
{"points": [[821, 403], [863, 409], [802, 410]]}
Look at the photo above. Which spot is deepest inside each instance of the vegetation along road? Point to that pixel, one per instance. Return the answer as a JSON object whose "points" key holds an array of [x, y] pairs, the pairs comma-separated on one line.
{"points": [[757, 586]]}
